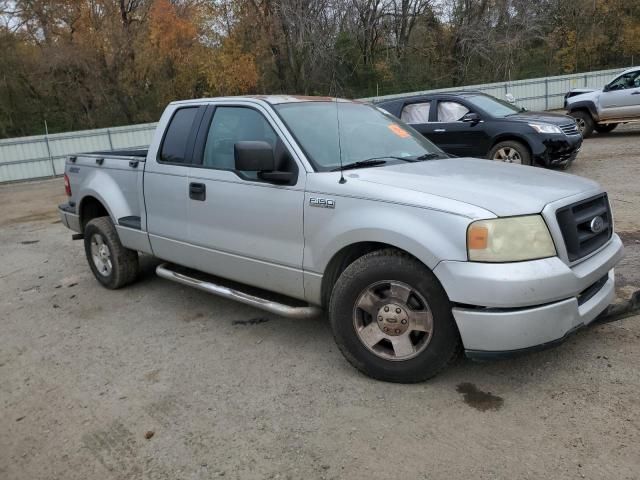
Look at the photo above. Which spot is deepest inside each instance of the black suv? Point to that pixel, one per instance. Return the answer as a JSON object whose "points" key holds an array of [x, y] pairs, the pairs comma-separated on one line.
{"points": [[473, 124]]}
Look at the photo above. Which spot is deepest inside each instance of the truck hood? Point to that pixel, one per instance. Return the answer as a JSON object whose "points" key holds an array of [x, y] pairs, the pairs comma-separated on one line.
{"points": [[503, 189], [578, 91], [582, 96]]}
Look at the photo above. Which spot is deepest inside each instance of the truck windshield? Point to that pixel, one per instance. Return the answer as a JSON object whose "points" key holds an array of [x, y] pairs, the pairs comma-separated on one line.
{"points": [[493, 106], [366, 132]]}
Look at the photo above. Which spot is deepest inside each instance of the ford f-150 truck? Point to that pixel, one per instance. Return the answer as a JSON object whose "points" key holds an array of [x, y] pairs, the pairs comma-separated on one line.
{"points": [[299, 204]]}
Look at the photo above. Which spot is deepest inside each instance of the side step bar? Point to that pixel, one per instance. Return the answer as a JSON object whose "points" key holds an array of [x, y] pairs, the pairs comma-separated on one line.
{"points": [[265, 304]]}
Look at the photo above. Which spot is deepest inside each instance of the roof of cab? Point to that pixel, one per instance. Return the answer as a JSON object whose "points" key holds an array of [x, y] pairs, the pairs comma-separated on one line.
{"points": [[271, 99]]}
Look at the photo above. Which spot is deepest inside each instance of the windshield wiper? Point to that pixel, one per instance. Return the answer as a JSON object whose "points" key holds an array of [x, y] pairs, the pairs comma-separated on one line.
{"points": [[371, 162], [431, 156]]}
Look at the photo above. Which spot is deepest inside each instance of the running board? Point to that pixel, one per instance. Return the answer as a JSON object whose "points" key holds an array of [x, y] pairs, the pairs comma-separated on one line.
{"points": [[263, 303]]}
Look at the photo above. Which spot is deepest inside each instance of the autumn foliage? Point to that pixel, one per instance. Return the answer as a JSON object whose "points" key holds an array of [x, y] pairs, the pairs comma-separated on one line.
{"points": [[94, 63]]}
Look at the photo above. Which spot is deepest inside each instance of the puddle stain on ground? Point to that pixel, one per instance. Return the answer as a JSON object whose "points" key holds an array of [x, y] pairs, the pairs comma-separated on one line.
{"points": [[478, 399], [251, 321]]}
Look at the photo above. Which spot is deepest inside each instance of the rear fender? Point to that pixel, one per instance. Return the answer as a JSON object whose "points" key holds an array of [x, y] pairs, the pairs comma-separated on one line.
{"points": [[105, 189]]}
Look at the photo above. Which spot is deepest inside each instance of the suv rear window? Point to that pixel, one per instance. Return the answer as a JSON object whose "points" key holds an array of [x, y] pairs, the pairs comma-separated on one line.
{"points": [[174, 145]]}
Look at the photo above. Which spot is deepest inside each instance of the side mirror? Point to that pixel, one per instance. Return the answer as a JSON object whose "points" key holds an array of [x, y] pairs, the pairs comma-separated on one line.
{"points": [[471, 117], [606, 88], [254, 156]]}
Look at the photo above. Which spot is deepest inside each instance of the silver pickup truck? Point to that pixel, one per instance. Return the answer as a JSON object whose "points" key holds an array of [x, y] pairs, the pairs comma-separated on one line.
{"points": [[299, 205]]}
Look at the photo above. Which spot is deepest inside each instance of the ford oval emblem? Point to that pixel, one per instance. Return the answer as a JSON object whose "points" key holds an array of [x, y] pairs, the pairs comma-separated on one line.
{"points": [[597, 224]]}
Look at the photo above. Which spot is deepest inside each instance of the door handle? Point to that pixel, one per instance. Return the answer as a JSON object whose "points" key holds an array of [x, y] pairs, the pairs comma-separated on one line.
{"points": [[198, 191], [440, 130], [637, 92]]}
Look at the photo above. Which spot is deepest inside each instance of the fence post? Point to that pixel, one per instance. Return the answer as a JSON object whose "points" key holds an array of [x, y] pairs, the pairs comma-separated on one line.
{"points": [[109, 136], [585, 80], [46, 141], [546, 94]]}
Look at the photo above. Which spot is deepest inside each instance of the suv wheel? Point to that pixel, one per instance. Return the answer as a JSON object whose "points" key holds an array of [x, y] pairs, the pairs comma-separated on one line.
{"points": [[392, 319], [584, 121], [605, 128], [510, 151], [112, 264]]}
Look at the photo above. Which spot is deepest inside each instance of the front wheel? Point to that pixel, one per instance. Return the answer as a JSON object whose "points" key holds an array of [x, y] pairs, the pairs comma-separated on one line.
{"points": [[510, 152], [112, 264], [392, 319], [584, 122]]}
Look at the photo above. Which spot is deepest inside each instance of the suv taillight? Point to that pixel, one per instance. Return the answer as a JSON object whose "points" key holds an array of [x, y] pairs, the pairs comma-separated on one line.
{"points": [[67, 185]]}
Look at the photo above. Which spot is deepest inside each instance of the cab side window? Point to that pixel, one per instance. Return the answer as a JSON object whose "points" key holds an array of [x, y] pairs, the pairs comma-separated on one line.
{"points": [[628, 80], [174, 144], [231, 125], [451, 111], [416, 113]]}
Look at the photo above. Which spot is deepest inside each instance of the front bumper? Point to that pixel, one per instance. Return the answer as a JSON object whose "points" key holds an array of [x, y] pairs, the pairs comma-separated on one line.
{"points": [[557, 150], [506, 308], [69, 217]]}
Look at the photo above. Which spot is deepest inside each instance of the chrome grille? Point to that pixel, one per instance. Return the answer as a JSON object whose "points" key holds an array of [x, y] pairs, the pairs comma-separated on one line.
{"points": [[576, 222], [569, 128]]}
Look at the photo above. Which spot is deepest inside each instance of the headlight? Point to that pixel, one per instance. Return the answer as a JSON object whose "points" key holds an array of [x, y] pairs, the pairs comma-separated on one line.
{"points": [[545, 128], [510, 239]]}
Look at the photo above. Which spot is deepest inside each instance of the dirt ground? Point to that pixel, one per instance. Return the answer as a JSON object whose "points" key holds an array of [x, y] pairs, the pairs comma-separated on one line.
{"points": [[159, 381]]}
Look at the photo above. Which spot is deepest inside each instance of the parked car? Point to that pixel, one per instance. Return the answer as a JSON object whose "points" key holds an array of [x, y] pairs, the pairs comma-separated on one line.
{"points": [[603, 110], [310, 204], [473, 124]]}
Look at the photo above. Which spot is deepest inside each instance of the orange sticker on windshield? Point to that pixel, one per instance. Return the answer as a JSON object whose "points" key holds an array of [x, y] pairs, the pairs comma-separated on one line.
{"points": [[399, 131]]}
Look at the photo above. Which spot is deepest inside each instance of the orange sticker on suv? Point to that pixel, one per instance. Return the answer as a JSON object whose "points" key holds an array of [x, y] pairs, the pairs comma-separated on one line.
{"points": [[399, 131]]}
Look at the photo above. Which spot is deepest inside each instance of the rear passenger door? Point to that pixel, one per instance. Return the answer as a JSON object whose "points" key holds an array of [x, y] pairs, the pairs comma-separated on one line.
{"points": [[419, 115], [241, 227], [166, 183]]}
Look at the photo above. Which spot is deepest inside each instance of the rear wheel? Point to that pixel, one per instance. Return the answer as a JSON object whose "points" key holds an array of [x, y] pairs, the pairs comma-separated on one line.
{"points": [[584, 121], [392, 319], [605, 128], [112, 264], [511, 151]]}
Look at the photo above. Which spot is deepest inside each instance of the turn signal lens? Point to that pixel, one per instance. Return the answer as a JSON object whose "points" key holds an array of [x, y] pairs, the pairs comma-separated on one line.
{"points": [[67, 185], [511, 239], [477, 237]]}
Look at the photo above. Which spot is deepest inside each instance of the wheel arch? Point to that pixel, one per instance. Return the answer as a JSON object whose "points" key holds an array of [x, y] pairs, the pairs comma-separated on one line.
{"points": [[345, 257], [91, 207], [585, 106]]}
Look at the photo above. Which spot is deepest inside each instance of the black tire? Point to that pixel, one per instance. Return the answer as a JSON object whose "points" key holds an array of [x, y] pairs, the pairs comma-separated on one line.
{"points": [[392, 265], [508, 146], [124, 265], [584, 121], [605, 128]]}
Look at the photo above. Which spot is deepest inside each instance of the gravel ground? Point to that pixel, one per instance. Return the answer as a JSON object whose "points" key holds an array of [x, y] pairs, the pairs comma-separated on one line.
{"points": [[159, 381]]}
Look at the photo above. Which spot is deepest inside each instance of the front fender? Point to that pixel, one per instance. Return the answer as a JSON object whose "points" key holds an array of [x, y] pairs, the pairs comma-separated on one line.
{"points": [[429, 235], [588, 105]]}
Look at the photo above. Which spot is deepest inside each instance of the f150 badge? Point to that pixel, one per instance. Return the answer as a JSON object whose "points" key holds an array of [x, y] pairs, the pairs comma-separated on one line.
{"points": [[322, 202]]}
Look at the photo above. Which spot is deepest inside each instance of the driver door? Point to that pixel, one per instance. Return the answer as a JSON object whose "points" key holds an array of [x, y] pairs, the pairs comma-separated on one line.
{"points": [[455, 135], [622, 98], [241, 227]]}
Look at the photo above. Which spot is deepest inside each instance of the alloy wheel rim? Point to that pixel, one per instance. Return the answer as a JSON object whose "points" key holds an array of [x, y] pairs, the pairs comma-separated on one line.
{"points": [[101, 255], [508, 155], [581, 124], [393, 320]]}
